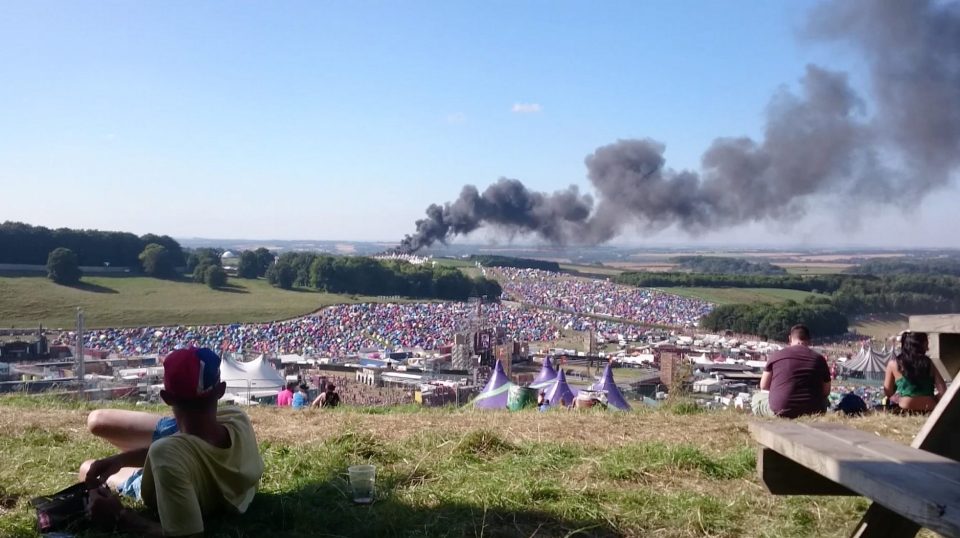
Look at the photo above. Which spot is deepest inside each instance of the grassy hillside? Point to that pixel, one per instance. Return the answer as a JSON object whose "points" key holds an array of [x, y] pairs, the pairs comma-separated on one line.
{"points": [[461, 473], [880, 326], [132, 301], [741, 295]]}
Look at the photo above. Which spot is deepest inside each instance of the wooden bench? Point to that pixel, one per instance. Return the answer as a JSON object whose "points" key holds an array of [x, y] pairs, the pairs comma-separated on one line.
{"points": [[911, 487]]}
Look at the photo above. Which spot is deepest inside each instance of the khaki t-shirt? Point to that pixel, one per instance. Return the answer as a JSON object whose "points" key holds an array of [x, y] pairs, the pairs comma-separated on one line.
{"points": [[184, 477]]}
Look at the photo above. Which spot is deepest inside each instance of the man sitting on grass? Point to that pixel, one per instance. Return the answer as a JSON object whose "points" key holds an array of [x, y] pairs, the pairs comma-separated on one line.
{"points": [[207, 462], [797, 377]]}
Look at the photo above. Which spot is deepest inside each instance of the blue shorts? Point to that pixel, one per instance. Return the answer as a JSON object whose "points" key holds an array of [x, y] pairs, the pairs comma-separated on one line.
{"points": [[130, 487], [166, 427]]}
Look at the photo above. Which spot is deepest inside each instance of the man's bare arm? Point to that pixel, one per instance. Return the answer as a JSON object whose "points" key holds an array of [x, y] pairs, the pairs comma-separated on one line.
{"points": [[765, 381]]}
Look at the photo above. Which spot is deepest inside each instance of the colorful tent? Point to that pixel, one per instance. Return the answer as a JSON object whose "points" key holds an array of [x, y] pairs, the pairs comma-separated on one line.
{"points": [[559, 391], [494, 395], [614, 396], [546, 376]]}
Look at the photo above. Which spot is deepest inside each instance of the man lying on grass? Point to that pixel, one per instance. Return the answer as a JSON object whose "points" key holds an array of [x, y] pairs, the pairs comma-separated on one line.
{"points": [[204, 462]]}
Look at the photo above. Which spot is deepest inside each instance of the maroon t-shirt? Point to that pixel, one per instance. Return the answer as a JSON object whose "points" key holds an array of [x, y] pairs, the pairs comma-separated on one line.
{"points": [[796, 385]]}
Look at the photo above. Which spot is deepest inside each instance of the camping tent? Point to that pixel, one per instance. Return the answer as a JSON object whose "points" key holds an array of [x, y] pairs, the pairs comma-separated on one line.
{"points": [[494, 395], [254, 377], [868, 363], [614, 396], [559, 391], [546, 376]]}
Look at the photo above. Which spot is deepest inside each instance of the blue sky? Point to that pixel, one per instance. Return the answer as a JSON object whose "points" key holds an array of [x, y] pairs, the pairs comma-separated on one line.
{"points": [[344, 120]]}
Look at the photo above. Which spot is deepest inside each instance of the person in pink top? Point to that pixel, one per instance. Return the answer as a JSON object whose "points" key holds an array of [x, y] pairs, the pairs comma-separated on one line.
{"points": [[285, 396]]}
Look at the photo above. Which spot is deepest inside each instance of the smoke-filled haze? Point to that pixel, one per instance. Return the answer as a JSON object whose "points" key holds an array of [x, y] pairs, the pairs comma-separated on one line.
{"points": [[893, 144]]}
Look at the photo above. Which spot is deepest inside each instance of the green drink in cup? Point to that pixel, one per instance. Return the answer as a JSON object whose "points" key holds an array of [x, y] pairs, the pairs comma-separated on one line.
{"points": [[362, 478]]}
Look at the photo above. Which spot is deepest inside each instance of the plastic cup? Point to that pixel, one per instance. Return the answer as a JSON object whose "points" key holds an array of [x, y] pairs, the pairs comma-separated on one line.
{"points": [[362, 478]]}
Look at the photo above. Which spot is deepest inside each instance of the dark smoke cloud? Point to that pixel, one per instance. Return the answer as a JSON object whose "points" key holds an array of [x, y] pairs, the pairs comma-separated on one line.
{"points": [[511, 207], [820, 142]]}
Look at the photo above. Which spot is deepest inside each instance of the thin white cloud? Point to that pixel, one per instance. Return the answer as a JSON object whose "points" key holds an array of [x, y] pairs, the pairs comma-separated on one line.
{"points": [[455, 118], [526, 108]]}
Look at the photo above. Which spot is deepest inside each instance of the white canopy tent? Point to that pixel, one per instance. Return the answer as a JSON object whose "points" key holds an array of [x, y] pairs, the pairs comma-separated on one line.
{"points": [[254, 378]]}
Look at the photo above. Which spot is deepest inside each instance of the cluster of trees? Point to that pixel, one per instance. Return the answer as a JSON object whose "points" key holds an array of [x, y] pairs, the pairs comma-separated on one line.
{"points": [[723, 265], [25, 244], [62, 267], [64, 250], [904, 294], [367, 276], [490, 260], [820, 283], [849, 294], [773, 322], [255, 263], [948, 265], [205, 265]]}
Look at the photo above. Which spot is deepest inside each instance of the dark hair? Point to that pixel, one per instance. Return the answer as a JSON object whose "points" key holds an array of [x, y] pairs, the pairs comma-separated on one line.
{"points": [[304, 387], [912, 360], [330, 387], [291, 385], [800, 332]]}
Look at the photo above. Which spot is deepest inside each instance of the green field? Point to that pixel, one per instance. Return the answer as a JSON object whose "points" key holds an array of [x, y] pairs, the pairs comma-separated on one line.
{"points": [[741, 295], [590, 270], [26, 301], [668, 472]]}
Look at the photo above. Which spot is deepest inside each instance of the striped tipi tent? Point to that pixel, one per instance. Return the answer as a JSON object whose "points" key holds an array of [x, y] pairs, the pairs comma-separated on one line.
{"points": [[559, 391], [614, 396], [494, 395], [546, 376]]}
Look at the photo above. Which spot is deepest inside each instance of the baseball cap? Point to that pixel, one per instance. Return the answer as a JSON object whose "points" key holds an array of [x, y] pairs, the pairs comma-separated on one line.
{"points": [[191, 373]]}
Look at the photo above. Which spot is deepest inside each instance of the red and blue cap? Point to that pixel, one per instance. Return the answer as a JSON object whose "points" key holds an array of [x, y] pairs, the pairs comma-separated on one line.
{"points": [[191, 373]]}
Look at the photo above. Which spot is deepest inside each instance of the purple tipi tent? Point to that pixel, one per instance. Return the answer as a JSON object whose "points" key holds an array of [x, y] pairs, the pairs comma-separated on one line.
{"points": [[559, 390], [614, 396], [494, 395], [546, 376]]}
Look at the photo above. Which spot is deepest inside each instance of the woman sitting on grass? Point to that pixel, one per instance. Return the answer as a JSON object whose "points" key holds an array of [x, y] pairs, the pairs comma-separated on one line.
{"points": [[912, 377]]}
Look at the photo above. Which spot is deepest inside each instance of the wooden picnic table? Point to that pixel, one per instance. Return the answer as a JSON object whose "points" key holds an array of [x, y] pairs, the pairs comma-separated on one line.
{"points": [[910, 486]]}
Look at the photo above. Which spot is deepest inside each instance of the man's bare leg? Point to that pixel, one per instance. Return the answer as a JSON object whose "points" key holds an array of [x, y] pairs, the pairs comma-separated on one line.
{"points": [[126, 430]]}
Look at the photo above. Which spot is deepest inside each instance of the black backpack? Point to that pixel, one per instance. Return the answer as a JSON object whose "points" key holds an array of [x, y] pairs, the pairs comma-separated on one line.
{"points": [[64, 510]]}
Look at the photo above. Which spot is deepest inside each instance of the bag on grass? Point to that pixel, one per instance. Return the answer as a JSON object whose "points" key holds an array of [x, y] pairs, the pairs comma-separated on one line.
{"points": [[63, 510]]}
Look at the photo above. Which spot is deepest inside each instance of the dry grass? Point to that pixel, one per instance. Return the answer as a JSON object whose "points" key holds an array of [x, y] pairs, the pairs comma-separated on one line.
{"points": [[466, 473]]}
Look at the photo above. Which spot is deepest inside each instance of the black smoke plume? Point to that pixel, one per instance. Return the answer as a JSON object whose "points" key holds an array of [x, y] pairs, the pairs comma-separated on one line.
{"points": [[824, 141]]}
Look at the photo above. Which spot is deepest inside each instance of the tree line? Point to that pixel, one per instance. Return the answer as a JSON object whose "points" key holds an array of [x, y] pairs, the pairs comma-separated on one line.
{"points": [[819, 283], [25, 244], [492, 260], [946, 265], [367, 276], [726, 265], [850, 294], [773, 321]]}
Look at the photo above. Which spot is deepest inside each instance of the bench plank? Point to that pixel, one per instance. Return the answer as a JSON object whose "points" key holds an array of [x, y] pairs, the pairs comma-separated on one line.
{"points": [[940, 434], [921, 486]]}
